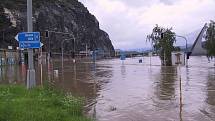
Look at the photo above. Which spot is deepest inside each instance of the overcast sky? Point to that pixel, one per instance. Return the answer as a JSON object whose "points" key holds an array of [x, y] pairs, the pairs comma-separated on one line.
{"points": [[129, 21]]}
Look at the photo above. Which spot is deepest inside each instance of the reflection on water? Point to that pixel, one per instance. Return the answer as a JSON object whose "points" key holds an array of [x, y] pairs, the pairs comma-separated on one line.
{"points": [[209, 110], [166, 83], [132, 91], [211, 88], [12, 74], [123, 70]]}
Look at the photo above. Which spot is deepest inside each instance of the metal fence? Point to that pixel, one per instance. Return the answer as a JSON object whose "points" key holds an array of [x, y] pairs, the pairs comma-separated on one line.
{"points": [[9, 57]]}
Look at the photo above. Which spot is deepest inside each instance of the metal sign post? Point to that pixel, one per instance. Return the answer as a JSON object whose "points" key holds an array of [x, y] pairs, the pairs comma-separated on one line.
{"points": [[122, 57], [31, 81], [150, 57], [29, 40]]}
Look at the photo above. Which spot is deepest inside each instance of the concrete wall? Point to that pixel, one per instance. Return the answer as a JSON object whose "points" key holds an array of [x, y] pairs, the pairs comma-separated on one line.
{"points": [[197, 48], [178, 58]]}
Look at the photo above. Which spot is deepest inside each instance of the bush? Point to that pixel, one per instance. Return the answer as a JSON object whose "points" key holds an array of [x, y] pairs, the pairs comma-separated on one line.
{"points": [[38, 104]]}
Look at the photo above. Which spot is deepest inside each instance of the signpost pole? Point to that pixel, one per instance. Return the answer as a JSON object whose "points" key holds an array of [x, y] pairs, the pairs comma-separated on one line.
{"points": [[41, 66], [150, 58], [31, 81], [86, 50], [62, 59]]}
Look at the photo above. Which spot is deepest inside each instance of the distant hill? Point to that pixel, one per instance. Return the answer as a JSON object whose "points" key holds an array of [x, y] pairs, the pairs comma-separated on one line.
{"points": [[68, 16], [191, 37], [138, 49]]}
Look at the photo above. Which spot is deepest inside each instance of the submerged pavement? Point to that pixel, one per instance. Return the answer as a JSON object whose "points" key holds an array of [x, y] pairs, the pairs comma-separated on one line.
{"points": [[132, 91]]}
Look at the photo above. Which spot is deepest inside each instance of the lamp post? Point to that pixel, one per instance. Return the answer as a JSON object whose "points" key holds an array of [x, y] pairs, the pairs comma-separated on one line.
{"points": [[186, 48], [70, 34], [62, 50], [86, 49], [3, 35], [73, 48], [186, 51], [31, 81]]}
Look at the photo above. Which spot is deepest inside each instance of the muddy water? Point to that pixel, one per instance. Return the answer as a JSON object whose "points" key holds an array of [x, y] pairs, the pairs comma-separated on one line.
{"points": [[132, 91]]}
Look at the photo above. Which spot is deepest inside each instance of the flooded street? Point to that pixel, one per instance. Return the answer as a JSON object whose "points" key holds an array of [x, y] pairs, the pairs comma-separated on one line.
{"points": [[132, 91]]}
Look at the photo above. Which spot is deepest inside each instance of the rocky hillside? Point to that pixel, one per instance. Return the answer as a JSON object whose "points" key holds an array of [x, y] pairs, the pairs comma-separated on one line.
{"points": [[67, 16]]}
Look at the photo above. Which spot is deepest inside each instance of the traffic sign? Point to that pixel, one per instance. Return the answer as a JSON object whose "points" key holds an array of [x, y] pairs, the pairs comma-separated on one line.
{"points": [[150, 54], [24, 45], [122, 56], [28, 36], [29, 40]]}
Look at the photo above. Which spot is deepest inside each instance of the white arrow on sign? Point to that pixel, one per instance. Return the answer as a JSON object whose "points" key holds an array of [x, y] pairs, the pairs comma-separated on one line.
{"points": [[28, 36], [17, 37], [41, 44]]}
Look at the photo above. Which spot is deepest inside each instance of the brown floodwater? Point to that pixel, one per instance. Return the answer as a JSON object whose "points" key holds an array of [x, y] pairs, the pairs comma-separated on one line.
{"points": [[132, 91]]}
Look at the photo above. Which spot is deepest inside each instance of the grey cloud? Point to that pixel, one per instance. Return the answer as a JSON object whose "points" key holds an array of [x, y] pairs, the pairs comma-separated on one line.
{"points": [[128, 30], [141, 3], [168, 2], [137, 3]]}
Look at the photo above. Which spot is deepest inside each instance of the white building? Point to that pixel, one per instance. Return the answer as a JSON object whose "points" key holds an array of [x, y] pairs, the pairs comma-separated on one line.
{"points": [[197, 48]]}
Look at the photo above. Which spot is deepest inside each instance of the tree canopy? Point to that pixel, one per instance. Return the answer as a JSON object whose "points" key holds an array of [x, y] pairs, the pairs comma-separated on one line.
{"points": [[210, 39], [162, 40], [4, 20]]}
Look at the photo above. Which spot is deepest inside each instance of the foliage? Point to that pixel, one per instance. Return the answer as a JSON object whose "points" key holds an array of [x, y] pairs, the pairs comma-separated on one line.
{"points": [[4, 20], [7, 31], [162, 40], [38, 104], [210, 39], [13, 4]]}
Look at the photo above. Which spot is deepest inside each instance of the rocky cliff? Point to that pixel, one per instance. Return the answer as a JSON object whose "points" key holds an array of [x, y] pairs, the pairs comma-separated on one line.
{"points": [[56, 16]]}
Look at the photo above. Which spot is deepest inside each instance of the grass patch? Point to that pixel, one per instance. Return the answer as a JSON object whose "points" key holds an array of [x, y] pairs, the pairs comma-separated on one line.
{"points": [[38, 104]]}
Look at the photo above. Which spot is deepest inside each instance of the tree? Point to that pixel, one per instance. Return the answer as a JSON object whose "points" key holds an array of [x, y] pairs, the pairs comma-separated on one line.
{"points": [[7, 31], [210, 39], [162, 40], [4, 20]]}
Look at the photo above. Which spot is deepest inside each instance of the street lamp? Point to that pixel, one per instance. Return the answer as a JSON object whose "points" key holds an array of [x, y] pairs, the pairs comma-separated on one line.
{"points": [[185, 41], [62, 50], [186, 52], [65, 33], [86, 49]]}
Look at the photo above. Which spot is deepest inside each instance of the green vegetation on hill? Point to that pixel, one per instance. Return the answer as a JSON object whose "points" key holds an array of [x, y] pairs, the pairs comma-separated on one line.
{"points": [[210, 39], [4, 20], [69, 16], [39, 104]]}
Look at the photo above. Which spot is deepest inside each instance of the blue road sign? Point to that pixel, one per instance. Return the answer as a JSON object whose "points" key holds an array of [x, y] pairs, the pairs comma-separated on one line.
{"points": [[28, 36], [94, 55], [29, 40], [34, 45], [122, 56]]}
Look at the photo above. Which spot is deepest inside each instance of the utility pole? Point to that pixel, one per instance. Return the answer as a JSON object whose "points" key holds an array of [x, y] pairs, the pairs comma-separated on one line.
{"points": [[164, 58], [49, 51], [74, 48], [186, 52], [62, 51], [86, 50], [62, 59], [3, 36], [31, 81]]}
